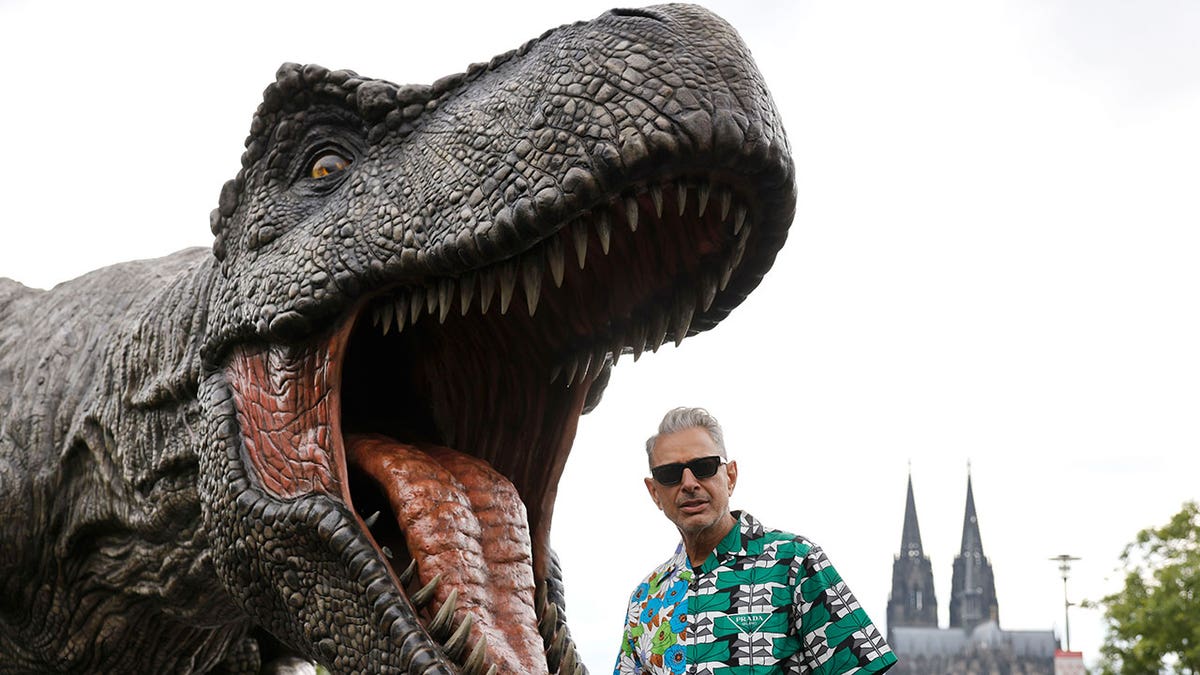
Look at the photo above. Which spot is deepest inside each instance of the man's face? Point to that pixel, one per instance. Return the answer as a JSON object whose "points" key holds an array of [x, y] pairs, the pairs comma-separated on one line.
{"points": [[694, 505]]}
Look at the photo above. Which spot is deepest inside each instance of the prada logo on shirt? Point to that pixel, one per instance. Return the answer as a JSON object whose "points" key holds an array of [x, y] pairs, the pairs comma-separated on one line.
{"points": [[744, 623]]}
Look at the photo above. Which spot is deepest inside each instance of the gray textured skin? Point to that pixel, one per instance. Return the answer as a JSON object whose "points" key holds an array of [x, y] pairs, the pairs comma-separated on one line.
{"points": [[133, 535]]}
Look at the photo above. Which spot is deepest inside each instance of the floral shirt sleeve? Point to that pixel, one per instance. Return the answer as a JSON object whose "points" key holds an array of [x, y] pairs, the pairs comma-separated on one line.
{"points": [[655, 633]]}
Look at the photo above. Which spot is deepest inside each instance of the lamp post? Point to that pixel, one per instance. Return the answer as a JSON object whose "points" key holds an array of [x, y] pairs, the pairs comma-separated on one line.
{"points": [[1064, 566]]}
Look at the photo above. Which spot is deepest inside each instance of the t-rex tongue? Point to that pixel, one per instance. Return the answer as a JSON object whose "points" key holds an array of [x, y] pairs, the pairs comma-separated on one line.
{"points": [[464, 521]]}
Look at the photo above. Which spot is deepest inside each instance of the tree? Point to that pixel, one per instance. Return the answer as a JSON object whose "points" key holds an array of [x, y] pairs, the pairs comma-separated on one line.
{"points": [[1153, 623]]}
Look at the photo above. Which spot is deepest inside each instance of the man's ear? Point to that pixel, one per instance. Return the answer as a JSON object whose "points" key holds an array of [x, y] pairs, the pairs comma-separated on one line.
{"points": [[653, 493], [731, 469]]}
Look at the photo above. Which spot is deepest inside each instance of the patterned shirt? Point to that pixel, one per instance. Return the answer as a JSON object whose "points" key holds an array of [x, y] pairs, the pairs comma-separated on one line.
{"points": [[764, 602]]}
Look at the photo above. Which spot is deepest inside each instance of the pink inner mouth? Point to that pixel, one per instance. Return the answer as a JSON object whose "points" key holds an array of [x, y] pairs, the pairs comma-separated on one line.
{"points": [[459, 519], [465, 523]]}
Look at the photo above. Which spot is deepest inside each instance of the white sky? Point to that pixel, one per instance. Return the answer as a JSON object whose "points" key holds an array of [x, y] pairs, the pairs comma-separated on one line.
{"points": [[994, 259]]}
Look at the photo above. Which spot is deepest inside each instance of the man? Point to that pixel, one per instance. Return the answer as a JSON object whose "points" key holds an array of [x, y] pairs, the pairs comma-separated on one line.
{"points": [[735, 598]]}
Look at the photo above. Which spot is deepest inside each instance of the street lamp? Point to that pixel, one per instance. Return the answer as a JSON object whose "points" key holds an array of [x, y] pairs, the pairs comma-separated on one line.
{"points": [[1064, 566]]}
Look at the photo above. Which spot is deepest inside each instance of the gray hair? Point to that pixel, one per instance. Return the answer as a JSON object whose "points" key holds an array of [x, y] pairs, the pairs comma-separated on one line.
{"points": [[678, 419]]}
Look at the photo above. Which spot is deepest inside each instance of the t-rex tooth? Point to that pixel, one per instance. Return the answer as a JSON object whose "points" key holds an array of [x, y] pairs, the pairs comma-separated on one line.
{"points": [[570, 658], [739, 247], [474, 664], [508, 282], [618, 346], [702, 191], [657, 332], [425, 594], [409, 572], [579, 232], [416, 305], [603, 230], [531, 274], [656, 197], [441, 624], [631, 213], [739, 219], [371, 520], [594, 363], [554, 258], [431, 299], [385, 316], [558, 646], [637, 340], [445, 298], [401, 306], [683, 319], [553, 640], [487, 288], [725, 274], [466, 290], [539, 599], [585, 363], [569, 369], [548, 621], [456, 644], [598, 358], [708, 291]]}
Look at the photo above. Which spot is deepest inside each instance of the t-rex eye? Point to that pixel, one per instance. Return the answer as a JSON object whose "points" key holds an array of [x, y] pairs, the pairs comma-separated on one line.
{"points": [[328, 163]]}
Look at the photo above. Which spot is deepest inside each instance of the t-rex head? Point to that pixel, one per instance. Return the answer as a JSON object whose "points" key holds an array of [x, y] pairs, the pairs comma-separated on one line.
{"points": [[421, 290]]}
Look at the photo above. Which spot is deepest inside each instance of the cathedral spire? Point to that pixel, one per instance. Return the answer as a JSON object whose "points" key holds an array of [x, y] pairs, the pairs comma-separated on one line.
{"points": [[971, 542], [910, 538], [912, 602], [972, 588]]}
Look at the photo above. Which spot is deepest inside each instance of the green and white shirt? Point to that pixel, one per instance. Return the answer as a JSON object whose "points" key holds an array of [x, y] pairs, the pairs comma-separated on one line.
{"points": [[764, 602]]}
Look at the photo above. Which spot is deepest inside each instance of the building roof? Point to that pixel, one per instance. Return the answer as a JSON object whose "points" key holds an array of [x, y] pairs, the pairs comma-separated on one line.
{"points": [[958, 641]]}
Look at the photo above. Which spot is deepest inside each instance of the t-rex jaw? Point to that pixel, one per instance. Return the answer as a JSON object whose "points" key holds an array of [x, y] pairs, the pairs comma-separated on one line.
{"points": [[496, 363]]}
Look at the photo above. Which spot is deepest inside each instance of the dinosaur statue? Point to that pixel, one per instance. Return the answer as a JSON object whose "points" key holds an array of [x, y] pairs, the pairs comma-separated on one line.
{"points": [[338, 433]]}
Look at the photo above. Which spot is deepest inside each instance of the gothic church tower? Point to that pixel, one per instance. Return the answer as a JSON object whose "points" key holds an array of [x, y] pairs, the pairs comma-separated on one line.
{"points": [[972, 589], [912, 602]]}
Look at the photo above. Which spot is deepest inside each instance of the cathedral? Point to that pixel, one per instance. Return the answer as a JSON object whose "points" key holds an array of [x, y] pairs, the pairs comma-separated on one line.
{"points": [[974, 644]]}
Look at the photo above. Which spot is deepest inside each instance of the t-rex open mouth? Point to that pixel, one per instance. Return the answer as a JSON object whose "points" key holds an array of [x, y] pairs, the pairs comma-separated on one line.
{"points": [[449, 406]]}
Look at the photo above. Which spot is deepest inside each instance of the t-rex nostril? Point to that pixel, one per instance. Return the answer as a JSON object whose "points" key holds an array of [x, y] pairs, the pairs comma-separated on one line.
{"points": [[638, 12]]}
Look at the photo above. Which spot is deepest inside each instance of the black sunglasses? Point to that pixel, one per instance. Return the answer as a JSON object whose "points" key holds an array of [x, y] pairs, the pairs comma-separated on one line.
{"points": [[671, 474]]}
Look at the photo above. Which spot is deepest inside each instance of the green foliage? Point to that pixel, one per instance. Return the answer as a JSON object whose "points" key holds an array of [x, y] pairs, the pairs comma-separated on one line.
{"points": [[1154, 621]]}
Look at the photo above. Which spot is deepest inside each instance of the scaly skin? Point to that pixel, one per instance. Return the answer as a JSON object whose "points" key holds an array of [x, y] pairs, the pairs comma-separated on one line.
{"points": [[452, 269]]}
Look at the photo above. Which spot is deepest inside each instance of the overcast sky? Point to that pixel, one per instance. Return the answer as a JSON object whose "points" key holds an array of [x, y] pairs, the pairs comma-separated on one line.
{"points": [[994, 261]]}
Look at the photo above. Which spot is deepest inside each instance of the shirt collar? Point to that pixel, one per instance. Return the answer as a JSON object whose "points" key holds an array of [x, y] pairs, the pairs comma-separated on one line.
{"points": [[734, 542], [679, 561]]}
